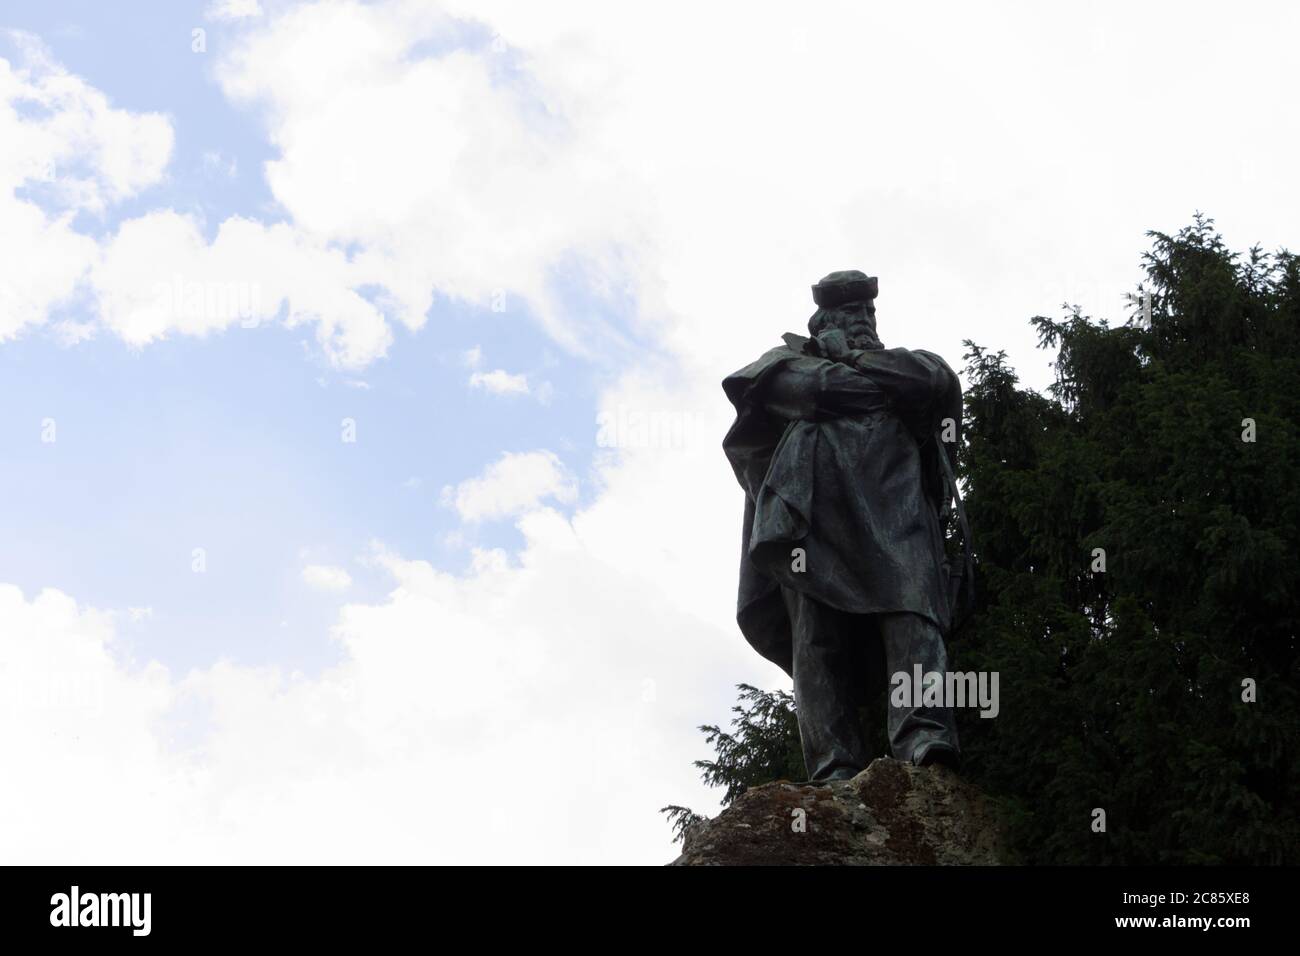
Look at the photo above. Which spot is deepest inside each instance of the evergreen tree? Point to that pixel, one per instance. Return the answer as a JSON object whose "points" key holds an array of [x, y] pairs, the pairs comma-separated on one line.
{"points": [[763, 746], [1167, 450]]}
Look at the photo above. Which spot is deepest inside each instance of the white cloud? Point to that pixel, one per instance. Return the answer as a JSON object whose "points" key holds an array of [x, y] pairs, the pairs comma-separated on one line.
{"points": [[215, 163], [514, 483], [323, 577], [69, 333], [79, 719], [485, 197], [856, 137], [527, 670], [63, 132], [571, 153], [233, 9], [61, 138], [158, 275], [500, 382]]}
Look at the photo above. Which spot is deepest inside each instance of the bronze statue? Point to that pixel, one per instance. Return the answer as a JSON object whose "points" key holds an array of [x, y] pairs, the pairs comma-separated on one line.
{"points": [[838, 443]]}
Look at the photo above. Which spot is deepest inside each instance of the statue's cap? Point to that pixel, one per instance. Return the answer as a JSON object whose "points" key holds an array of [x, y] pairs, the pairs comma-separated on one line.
{"points": [[849, 285]]}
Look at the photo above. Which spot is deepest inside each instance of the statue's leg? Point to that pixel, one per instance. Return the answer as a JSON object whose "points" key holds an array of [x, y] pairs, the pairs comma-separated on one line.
{"points": [[918, 734], [829, 686]]}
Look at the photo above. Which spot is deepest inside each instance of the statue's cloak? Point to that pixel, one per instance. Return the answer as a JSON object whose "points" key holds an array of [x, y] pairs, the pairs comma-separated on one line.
{"points": [[839, 457]]}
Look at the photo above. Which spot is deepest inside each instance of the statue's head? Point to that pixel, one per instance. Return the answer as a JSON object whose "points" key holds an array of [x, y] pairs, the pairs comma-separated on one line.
{"points": [[847, 301]]}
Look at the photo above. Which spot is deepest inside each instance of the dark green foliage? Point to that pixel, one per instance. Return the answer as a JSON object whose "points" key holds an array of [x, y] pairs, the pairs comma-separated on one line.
{"points": [[680, 819], [763, 746], [1123, 690]]}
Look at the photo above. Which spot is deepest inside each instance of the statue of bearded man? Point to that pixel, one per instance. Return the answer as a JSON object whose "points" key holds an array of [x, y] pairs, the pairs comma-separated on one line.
{"points": [[843, 577]]}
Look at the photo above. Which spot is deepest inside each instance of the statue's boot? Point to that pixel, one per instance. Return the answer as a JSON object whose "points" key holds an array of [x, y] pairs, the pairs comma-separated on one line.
{"points": [[937, 754]]}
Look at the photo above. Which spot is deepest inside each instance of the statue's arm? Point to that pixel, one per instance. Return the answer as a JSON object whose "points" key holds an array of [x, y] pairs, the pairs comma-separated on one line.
{"points": [[791, 385], [807, 387], [923, 390], [914, 380]]}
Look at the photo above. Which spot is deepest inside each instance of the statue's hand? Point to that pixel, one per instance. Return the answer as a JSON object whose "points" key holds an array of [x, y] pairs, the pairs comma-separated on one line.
{"points": [[830, 344]]}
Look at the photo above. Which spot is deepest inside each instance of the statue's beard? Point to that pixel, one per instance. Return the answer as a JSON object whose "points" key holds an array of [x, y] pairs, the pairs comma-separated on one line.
{"points": [[864, 340], [861, 334], [857, 324]]}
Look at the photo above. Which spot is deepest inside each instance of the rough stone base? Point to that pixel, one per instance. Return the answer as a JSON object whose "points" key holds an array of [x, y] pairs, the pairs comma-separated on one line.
{"points": [[890, 814]]}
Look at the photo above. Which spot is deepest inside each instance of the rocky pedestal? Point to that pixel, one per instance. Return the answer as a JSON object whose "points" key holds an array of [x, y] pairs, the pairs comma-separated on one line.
{"points": [[890, 814]]}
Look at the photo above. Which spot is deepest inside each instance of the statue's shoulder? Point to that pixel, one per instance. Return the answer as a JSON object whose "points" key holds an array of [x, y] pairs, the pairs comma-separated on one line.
{"points": [[792, 346], [937, 359], [757, 368], [950, 382]]}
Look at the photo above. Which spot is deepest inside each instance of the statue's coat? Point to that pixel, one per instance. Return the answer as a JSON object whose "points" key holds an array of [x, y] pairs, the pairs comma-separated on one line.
{"points": [[838, 456]]}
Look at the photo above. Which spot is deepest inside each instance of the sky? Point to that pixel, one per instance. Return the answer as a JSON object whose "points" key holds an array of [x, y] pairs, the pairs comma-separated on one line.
{"points": [[360, 415]]}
